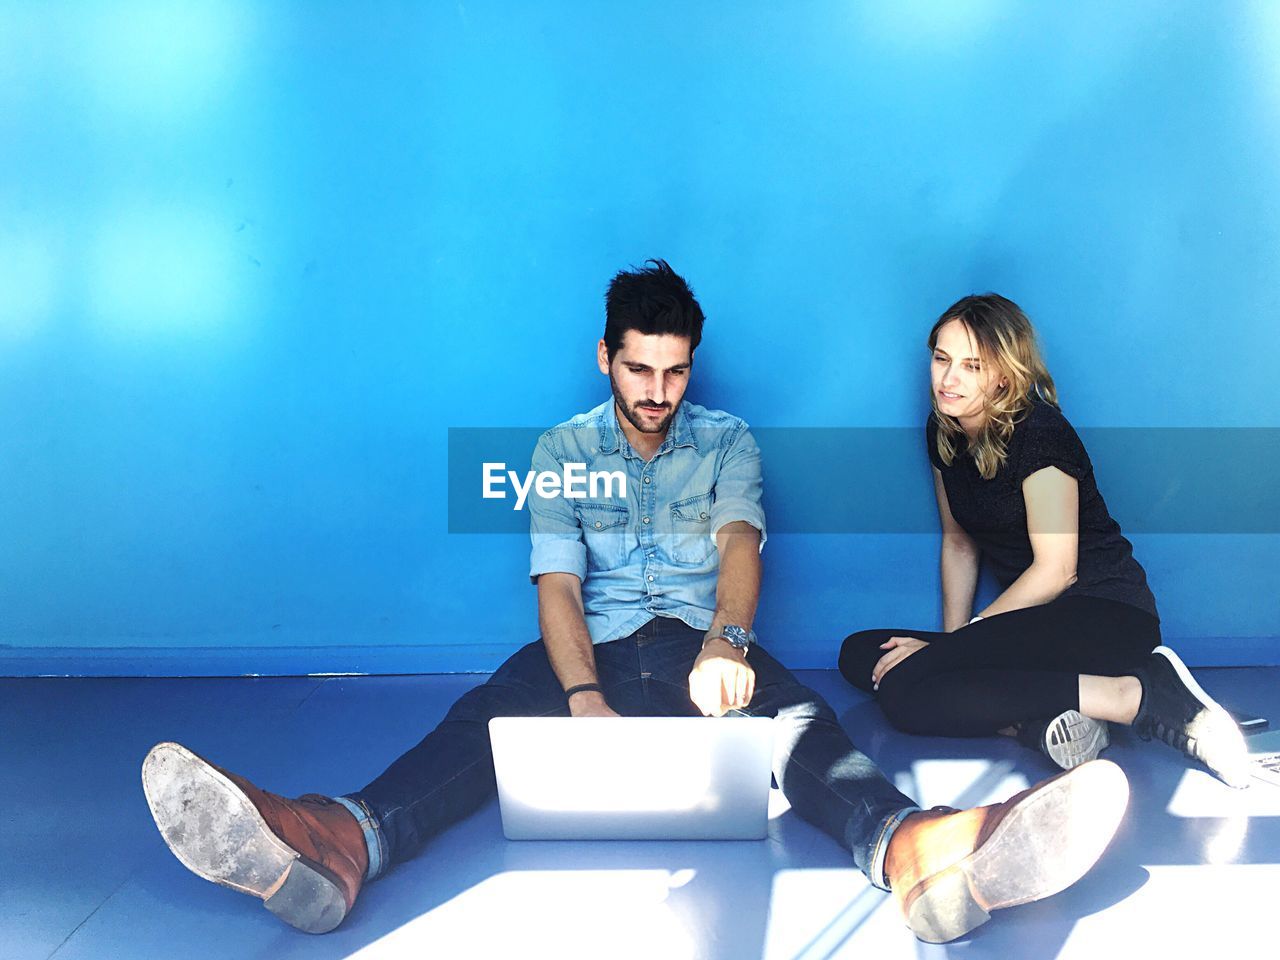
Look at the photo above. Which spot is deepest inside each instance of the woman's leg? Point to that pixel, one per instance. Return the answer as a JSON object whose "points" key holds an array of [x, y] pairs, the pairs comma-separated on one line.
{"points": [[1110, 698], [861, 651], [1019, 666]]}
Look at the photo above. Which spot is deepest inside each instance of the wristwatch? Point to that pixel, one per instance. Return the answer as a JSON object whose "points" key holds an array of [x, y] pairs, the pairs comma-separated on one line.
{"points": [[738, 638]]}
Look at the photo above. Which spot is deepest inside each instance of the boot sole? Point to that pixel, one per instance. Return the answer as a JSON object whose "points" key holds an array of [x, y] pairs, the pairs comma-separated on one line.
{"points": [[1080, 739], [217, 833], [1047, 842], [1234, 773]]}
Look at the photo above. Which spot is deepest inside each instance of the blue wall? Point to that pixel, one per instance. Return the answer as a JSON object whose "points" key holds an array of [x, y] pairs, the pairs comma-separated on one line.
{"points": [[256, 259]]}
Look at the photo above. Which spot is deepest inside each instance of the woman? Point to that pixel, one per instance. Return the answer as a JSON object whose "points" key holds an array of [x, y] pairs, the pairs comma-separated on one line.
{"points": [[1073, 639]]}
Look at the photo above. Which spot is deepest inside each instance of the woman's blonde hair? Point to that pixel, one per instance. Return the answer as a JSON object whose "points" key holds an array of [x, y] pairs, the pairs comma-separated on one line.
{"points": [[1005, 341]]}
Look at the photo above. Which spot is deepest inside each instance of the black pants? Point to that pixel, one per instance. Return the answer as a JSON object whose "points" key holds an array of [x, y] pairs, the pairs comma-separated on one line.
{"points": [[1018, 666]]}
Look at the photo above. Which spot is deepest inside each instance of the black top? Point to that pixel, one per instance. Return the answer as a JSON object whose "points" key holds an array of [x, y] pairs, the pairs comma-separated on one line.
{"points": [[995, 515]]}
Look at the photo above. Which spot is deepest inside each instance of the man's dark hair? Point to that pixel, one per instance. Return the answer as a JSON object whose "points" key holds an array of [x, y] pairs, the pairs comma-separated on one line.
{"points": [[651, 299]]}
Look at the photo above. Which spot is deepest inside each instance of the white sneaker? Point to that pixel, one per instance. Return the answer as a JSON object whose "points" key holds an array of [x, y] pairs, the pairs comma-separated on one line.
{"points": [[1071, 738]]}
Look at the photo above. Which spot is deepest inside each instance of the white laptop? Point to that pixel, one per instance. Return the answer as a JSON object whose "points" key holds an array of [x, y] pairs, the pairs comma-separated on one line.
{"points": [[633, 778]]}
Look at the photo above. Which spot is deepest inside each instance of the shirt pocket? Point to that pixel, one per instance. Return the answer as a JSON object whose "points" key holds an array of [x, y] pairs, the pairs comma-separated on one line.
{"points": [[604, 528], [691, 529]]}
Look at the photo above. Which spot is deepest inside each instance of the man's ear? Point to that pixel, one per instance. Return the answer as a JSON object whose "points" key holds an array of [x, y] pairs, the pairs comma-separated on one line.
{"points": [[602, 357]]}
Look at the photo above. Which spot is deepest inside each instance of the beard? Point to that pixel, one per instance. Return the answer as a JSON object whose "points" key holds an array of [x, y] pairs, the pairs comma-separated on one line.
{"points": [[634, 417]]}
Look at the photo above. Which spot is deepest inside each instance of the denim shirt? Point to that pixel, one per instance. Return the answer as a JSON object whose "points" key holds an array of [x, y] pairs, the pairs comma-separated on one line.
{"points": [[650, 553]]}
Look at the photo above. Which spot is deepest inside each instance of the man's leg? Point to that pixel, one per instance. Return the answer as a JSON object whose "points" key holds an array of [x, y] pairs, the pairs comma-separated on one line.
{"points": [[826, 779], [948, 869], [449, 774], [307, 858]]}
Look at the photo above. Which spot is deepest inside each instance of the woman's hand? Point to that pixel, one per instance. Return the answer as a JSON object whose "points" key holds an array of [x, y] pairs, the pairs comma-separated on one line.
{"points": [[899, 649]]}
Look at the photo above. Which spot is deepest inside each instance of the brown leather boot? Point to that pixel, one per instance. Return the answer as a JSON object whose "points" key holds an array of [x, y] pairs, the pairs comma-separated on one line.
{"points": [[949, 869], [304, 858]]}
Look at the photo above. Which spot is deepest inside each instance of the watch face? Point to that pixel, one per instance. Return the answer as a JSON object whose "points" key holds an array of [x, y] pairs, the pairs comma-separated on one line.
{"points": [[737, 636]]}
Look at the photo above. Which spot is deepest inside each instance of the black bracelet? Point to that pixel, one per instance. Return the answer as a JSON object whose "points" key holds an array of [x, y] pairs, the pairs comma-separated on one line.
{"points": [[582, 688]]}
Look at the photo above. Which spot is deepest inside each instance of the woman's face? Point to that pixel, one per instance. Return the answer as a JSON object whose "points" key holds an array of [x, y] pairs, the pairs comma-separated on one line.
{"points": [[962, 381]]}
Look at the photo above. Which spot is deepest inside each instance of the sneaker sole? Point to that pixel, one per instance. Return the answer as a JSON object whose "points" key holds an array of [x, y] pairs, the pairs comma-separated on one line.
{"points": [[1081, 739], [1047, 842], [217, 833], [1235, 774]]}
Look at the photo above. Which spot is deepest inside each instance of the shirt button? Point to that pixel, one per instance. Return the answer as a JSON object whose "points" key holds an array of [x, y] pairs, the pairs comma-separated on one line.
{"points": [[702, 516], [650, 578], [646, 479], [598, 524], [646, 519]]}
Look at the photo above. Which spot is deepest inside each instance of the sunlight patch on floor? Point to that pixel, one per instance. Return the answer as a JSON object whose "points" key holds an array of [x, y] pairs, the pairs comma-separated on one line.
{"points": [[830, 913], [1200, 795], [586, 914], [960, 783], [1186, 912]]}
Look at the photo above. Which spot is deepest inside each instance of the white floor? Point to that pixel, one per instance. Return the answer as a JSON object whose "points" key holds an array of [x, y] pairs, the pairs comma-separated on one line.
{"points": [[1194, 872]]}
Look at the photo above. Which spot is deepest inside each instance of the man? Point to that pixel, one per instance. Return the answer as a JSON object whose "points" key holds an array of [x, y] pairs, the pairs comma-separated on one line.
{"points": [[646, 601]]}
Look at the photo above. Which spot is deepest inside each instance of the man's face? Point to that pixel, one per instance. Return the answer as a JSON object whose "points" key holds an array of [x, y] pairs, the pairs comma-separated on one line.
{"points": [[649, 374]]}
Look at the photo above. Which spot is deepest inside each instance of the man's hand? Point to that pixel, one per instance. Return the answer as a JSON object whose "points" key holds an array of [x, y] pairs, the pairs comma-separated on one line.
{"points": [[721, 679], [589, 703], [899, 649]]}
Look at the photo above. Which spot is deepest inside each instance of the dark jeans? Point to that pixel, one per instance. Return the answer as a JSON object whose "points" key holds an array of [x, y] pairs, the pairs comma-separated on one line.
{"points": [[450, 773], [1020, 666]]}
